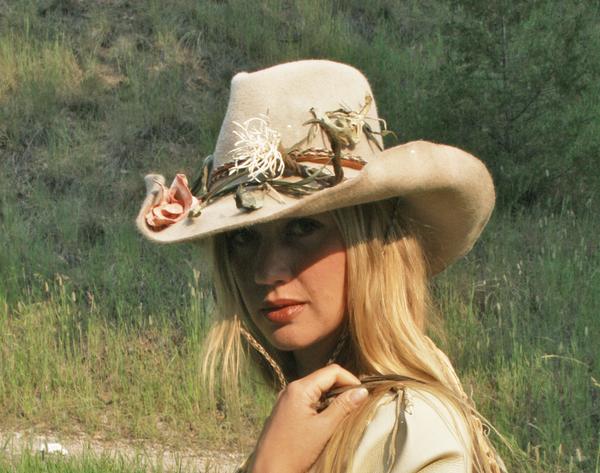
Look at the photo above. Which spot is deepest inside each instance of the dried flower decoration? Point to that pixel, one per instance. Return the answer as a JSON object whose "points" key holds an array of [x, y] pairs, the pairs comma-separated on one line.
{"points": [[173, 204], [344, 128], [257, 151]]}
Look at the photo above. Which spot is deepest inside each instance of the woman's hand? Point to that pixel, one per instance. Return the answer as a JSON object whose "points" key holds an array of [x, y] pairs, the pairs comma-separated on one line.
{"points": [[295, 434]]}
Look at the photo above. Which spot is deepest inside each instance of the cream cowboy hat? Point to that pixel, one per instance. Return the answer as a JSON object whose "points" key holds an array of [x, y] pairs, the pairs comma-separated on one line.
{"points": [[303, 138]]}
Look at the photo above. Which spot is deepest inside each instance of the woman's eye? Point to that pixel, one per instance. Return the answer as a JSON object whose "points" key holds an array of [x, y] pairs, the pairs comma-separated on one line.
{"points": [[241, 238], [302, 227]]}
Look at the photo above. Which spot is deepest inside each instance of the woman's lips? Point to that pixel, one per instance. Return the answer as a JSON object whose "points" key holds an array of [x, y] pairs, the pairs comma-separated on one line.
{"points": [[281, 312]]}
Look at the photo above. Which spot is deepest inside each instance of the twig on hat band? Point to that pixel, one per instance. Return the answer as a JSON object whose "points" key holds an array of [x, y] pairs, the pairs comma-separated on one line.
{"points": [[344, 128], [201, 184]]}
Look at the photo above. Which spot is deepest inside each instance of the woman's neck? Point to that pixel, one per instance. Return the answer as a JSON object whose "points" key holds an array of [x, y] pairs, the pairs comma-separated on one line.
{"points": [[316, 355]]}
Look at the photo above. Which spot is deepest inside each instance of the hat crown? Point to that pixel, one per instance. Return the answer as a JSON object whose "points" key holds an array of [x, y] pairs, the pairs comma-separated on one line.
{"points": [[448, 192], [285, 95]]}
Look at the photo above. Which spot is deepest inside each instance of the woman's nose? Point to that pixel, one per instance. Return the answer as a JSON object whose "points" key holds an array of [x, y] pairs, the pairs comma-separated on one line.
{"points": [[272, 265]]}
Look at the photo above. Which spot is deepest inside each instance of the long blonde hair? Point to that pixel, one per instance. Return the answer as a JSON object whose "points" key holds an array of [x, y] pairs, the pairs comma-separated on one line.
{"points": [[387, 318]]}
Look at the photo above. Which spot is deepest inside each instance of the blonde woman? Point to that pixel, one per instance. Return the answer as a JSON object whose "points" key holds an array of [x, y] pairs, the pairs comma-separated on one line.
{"points": [[323, 244]]}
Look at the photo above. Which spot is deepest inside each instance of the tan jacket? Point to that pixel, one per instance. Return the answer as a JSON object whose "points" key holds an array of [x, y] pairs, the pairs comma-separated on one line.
{"points": [[431, 437], [428, 436]]}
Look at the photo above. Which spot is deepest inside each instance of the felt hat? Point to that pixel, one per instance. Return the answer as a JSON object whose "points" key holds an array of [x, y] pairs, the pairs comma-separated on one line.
{"points": [[303, 138]]}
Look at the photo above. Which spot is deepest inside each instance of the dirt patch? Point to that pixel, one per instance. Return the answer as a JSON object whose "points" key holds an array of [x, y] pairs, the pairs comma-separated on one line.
{"points": [[145, 453]]}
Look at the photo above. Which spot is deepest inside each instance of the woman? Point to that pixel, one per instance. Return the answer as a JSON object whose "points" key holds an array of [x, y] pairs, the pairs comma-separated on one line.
{"points": [[323, 244]]}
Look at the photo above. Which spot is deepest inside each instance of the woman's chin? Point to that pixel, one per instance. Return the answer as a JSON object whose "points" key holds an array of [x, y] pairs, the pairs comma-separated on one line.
{"points": [[287, 340], [288, 344]]}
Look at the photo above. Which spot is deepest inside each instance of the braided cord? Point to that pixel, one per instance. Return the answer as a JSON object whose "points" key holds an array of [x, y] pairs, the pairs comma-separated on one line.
{"points": [[275, 366], [260, 349], [338, 348]]}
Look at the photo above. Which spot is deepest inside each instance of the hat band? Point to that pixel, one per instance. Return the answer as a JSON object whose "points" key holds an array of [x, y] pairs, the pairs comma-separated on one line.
{"points": [[312, 155], [260, 164]]}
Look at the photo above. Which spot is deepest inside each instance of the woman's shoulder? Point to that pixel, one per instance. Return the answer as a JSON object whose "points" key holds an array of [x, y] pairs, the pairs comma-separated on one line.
{"points": [[414, 431]]}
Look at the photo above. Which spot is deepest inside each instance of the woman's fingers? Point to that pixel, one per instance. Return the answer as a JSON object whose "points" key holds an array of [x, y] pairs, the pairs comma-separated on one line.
{"points": [[327, 378], [343, 405], [319, 382], [295, 433]]}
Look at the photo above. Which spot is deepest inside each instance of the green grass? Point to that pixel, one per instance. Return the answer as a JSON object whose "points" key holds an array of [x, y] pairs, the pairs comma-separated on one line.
{"points": [[88, 462], [102, 332], [31, 462], [521, 316]]}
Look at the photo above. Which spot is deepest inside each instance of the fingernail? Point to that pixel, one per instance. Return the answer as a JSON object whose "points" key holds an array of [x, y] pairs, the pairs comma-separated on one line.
{"points": [[358, 395]]}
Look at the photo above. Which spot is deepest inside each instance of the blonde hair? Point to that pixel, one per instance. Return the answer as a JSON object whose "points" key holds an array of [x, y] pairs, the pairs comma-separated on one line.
{"points": [[392, 300]]}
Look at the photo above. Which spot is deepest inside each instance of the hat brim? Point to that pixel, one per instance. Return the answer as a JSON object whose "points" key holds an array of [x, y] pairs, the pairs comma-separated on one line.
{"points": [[446, 191]]}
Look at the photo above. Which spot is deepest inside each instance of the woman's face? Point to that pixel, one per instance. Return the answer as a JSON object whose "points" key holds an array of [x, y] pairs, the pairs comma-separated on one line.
{"points": [[292, 274]]}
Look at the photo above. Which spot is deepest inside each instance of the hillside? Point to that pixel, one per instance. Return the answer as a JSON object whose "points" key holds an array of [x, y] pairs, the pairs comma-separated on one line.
{"points": [[101, 332]]}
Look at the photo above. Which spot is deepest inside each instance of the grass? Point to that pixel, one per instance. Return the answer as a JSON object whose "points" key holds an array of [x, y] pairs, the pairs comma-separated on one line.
{"points": [[89, 462], [102, 332], [522, 324], [30, 462]]}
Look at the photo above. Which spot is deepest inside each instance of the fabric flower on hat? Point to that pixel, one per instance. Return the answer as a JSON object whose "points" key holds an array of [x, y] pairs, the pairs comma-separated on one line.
{"points": [[173, 204], [257, 150]]}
